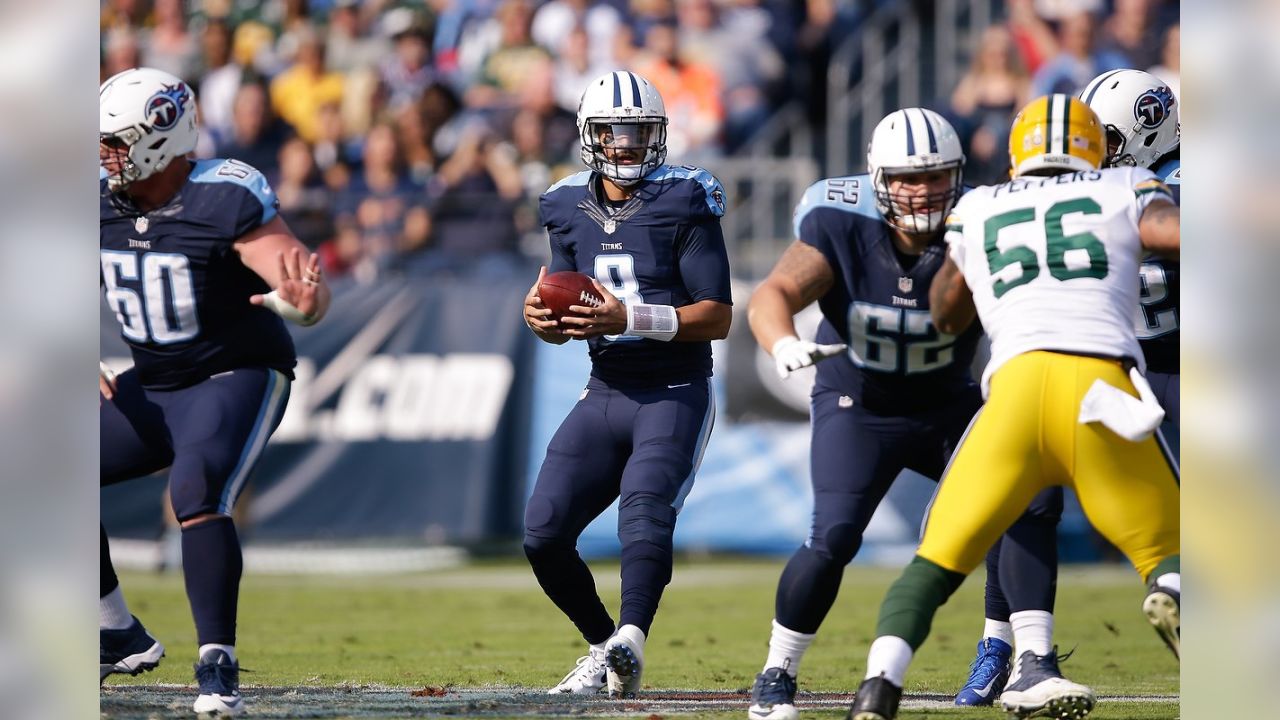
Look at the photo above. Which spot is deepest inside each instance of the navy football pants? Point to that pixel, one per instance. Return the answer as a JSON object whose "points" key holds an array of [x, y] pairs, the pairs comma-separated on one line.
{"points": [[209, 435], [641, 446], [1167, 390], [855, 455]]}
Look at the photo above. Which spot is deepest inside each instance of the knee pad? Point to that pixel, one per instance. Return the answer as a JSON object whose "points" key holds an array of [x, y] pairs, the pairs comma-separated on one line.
{"points": [[839, 542], [538, 549], [646, 519]]}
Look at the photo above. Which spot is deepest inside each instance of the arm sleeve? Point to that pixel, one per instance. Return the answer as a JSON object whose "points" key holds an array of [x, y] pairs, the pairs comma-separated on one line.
{"points": [[562, 257], [258, 203], [704, 263], [813, 230]]}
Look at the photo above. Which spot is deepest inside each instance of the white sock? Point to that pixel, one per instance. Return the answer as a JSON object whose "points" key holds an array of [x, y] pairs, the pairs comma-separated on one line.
{"points": [[1173, 581], [230, 650], [787, 648], [1032, 630], [999, 630], [889, 656], [113, 613]]}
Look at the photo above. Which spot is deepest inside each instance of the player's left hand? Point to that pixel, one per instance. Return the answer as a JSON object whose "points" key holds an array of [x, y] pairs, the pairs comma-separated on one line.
{"points": [[299, 284], [106, 382], [610, 318]]}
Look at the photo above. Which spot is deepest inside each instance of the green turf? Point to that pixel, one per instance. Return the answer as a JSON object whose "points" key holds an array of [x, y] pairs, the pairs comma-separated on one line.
{"points": [[491, 625]]}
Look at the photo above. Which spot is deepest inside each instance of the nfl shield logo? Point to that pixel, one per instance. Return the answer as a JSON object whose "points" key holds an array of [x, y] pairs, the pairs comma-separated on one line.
{"points": [[905, 284], [140, 224], [610, 226]]}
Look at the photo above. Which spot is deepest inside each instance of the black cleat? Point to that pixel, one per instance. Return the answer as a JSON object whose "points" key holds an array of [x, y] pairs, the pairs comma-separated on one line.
{"points": [[877, 699], [130, 651]]}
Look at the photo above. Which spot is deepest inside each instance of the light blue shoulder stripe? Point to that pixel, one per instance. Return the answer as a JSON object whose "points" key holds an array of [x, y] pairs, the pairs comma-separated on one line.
{"points": [[849, 193], [220, 170], [575, 180], [102, 173], [709, 183]]}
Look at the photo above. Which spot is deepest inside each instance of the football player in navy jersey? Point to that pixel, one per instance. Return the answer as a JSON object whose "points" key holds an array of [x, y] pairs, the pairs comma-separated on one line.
{"points": [[896, 393], [199, 268], [649, 234], [1140, 114]]}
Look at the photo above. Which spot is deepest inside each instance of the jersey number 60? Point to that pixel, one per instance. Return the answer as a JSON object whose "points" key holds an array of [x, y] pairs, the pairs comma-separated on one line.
{"points": [[154, 315]]}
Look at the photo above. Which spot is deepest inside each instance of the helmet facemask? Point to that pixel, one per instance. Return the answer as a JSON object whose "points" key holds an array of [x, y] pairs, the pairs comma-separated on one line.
{"points": [[912, 213], [625, 150]]}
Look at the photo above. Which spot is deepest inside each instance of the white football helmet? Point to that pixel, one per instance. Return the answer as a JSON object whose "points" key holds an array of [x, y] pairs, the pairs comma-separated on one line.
{"points": [[621, 113], [1138, 112], [146, 118], [914, 140]]}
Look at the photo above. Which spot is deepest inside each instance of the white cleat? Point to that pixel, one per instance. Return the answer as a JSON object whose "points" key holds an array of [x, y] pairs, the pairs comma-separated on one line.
{"points": [[586, 678], [1162, 609], [624, 658], [1037, 689]]}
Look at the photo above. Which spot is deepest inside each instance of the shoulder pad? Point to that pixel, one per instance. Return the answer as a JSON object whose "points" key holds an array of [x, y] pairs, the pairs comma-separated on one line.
{"points": [[713, 192], [1170, 171], [575, 180], [220, 170], [849, 194]]}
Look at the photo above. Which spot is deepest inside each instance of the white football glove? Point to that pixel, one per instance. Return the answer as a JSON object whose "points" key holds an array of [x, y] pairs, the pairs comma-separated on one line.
{"points": [[791, 353]]}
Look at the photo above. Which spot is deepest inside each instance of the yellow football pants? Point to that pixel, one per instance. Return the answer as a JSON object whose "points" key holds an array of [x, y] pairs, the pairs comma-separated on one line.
{"points": [[1027, 438]]}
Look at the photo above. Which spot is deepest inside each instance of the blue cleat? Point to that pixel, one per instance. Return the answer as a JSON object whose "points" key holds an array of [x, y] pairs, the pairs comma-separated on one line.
{"points": [[219, 680], [773, 697], [129, 651], [988, 674]]}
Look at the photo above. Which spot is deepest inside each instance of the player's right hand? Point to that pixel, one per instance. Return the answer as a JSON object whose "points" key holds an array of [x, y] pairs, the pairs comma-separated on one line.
{"points": [[536, 315], [791, 353], [106, 382]]}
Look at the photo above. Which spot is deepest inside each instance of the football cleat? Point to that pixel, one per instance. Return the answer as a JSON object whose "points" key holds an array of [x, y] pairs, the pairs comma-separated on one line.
{"points": [[773, 697], [876, 699], [1163, 608], [988, 674], [219, 680], [624, 660], [586, 678], [129, 651], [1037, 689]]}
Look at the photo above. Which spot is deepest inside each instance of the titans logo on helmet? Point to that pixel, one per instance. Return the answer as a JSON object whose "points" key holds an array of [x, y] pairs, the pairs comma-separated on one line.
{"points": [[1152, 107], [165, 107]]}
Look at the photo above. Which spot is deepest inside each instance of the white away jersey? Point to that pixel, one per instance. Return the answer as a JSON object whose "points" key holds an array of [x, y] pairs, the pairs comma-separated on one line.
{"points": [[1053, 261]]}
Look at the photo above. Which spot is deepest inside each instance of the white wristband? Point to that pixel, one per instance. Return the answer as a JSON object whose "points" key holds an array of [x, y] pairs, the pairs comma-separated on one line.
{"points": [[278, 305], [656, 322]]}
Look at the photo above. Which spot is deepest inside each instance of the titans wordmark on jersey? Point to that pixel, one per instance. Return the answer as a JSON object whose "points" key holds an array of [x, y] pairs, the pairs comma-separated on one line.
{"points": [[897, 361], [663, 246], [178, 287]]}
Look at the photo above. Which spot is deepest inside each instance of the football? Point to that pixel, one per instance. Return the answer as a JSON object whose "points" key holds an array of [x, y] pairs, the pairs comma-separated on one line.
{"points": [[561, 289]]}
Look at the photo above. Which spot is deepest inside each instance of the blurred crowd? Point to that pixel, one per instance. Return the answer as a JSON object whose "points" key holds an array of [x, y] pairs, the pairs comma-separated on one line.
{"points": [[417, 136], [1052, 46]]}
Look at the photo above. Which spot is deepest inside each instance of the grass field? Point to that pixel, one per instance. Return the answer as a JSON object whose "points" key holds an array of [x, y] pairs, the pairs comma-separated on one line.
{"points": [[483, 641]]}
